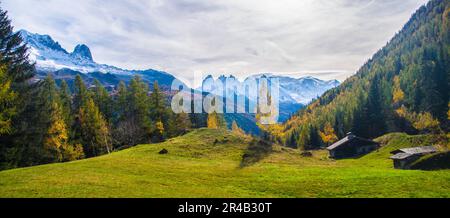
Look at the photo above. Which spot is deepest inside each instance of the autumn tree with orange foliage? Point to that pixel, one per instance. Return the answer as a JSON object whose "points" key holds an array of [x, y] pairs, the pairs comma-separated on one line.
{"points": [[328, 136]]}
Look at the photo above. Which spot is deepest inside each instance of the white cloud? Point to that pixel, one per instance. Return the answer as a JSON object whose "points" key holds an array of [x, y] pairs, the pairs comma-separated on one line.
{"points": [[323, 38]]}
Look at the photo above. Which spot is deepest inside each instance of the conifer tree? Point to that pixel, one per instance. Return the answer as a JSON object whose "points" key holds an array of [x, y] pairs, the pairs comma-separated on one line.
{"points": [[121, 102], [81, 94], [94, 130], [102, 99], [135, 126], [66, 103], [55, 137], [291, 140], [138, 99], [160, 113], [158, 106], [314, 138], [7, 102], [51, 121], [181, 123], [80, 97], [303, 137], [14, 54], [374, 110], [17, 95]]}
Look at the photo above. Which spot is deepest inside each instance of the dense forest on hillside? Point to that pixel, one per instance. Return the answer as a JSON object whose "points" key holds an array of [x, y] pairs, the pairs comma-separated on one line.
{"points": [[403, 88], [56, 125]]}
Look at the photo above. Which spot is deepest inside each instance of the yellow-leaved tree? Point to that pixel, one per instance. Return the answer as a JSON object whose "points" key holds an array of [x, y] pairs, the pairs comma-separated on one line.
{"points": [[54, 128], [236, 129], [398, 94], [424, 121], [7, 99], [95, 131], [448, 112], [328, 135], [56, 136], [212, 121], [159, 131], [216, 121]]}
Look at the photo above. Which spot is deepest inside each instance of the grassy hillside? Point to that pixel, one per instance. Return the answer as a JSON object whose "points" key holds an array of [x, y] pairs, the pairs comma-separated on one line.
{"points": [[207, 163]]}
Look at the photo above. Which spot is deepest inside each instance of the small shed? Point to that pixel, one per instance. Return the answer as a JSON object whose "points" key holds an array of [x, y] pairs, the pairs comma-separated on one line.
{"points": [[352, 146], [403, 158]]}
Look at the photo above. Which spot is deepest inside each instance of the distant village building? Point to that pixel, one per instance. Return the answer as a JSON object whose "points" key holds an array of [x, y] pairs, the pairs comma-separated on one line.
{"points": [[34, 80], [352, 146], [110, 88], [403, 158]]}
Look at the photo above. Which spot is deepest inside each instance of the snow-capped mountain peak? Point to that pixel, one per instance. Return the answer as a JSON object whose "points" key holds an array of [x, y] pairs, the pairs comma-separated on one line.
{"points": [[81, 52], [50, 56], [41, 42], [301, 91]]}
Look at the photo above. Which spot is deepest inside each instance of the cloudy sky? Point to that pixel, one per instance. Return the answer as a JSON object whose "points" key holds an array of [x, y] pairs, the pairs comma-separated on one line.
{"points": [[329, 39]]}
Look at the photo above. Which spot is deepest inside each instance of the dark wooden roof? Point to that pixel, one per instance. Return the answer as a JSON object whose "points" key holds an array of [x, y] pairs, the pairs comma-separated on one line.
{"points": [[350, 138], [401, 156], [416, 150], [339, 143]]}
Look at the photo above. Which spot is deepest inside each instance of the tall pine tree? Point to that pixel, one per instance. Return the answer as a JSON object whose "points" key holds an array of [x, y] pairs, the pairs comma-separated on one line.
{"points": [[55, 134], [14, 53], [16, 72], [134, 125], [102, 99], [159, 113], [7, 106], [66, 103], [95, 133], [81, 94]]}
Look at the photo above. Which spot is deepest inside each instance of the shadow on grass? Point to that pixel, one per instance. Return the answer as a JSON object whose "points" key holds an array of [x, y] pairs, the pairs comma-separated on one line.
{"points": [[437, 161], [256, 151]]}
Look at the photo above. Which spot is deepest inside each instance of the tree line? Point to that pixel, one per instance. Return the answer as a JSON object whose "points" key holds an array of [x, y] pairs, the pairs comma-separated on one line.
{"points": [[59, 125]]}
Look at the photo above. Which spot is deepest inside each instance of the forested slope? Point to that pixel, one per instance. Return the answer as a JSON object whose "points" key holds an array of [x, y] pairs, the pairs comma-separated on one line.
{"points": [[404, 87]]}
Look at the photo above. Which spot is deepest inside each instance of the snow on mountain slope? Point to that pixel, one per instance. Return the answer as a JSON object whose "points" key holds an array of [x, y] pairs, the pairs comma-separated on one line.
{"points": [[50, 56], [301, 91], [305, 89]]}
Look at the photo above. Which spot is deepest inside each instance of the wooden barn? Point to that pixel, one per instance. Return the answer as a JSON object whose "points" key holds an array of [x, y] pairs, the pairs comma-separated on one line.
{"points": [[352, 146], [403, 158]]}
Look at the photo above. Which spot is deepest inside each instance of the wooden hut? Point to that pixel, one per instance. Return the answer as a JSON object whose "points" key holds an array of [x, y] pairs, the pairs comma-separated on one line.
{"points": [[403, 158], [352, 146]]}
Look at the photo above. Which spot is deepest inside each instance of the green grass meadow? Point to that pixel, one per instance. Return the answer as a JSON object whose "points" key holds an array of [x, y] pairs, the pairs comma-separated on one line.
{"points": [[208, 163]]}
